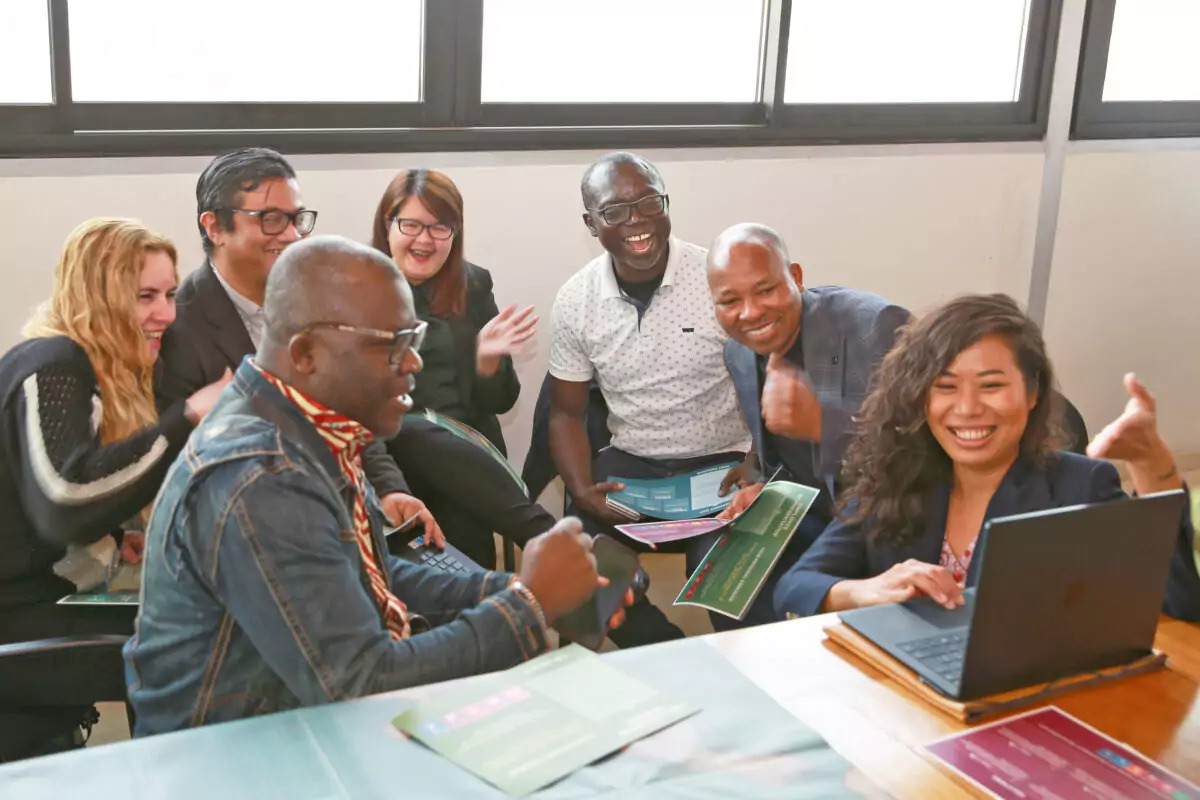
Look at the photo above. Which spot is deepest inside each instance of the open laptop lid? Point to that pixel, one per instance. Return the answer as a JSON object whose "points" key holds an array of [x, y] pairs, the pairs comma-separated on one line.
{"points": [[1069, 590]]}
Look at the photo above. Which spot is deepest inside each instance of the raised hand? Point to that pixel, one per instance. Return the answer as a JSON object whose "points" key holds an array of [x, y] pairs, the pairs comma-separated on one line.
{"points": [[503, 334]]}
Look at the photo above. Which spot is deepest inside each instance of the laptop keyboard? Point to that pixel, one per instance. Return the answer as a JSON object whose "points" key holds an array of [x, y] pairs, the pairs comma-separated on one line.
{"points": [[432, 557], [942, 653]]}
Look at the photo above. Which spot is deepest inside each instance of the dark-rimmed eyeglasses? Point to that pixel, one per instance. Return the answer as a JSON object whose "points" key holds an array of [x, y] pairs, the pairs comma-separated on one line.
{"points": [[274, 221], [403, 341], [414, 227], [619, 213]]}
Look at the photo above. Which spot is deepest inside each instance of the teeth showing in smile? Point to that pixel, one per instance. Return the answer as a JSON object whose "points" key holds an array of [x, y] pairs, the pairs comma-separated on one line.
{"points": [[154, 334], [760, 331], [421, 253], [641, 237], [972, 434]]}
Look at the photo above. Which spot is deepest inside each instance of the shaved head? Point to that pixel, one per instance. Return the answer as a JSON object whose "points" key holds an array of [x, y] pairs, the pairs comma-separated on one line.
{"points": [[757, 291], [602, 169], [321, 279], [746, 234]]}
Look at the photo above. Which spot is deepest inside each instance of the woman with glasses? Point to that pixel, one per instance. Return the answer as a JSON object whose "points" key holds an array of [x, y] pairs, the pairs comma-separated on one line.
{"points": [[468, 372], [82, 448]]}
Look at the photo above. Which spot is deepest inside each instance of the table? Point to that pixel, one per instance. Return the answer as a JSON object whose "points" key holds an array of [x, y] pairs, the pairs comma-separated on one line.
{"points": [[349, 749], [881, 729]]}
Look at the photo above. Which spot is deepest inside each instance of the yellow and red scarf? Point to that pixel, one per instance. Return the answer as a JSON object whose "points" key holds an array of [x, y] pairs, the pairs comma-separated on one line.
{"points": [[346, 440]]}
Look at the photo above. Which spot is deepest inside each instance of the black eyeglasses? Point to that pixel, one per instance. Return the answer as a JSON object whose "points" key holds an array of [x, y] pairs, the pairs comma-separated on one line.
{"points": [[274, 221], [619, 213], [402, 341], [414, 227]]}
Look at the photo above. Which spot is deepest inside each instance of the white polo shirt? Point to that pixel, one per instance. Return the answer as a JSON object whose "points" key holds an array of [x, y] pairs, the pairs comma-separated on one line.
{"points": [[668, 392]]}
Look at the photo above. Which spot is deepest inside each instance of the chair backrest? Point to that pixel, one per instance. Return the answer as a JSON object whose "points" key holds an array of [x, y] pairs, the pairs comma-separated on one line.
{"points": [[1073, 426], [64, 671]]}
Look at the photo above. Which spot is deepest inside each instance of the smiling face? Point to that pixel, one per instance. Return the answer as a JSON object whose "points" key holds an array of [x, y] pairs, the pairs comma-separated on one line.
{"points": [[422, 256], [639, 244], [156, 299], [244, 251], [757, 296], [978, 408]]}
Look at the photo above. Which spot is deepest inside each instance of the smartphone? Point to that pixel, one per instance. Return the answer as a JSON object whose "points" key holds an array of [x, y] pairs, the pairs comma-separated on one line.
{"points": [[588, 624]]}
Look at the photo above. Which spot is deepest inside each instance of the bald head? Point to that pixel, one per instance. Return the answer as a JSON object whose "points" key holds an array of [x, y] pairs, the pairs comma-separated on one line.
{"points": [[756, 289], [322, 279], [746, 237], [603, 169]]}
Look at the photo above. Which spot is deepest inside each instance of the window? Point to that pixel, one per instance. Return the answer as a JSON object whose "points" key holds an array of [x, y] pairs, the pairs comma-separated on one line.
{"points": [[551, 51], [246, 51], [1152, 54], [313, 76], [920, 51], [25, 53], [1139, 73]]}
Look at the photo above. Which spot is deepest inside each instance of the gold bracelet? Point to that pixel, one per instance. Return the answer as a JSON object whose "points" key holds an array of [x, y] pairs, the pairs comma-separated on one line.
{"points": [[525, 592]]}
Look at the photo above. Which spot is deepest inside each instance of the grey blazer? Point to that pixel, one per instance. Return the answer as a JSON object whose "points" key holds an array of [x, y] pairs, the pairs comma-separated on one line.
{"points": [[844, 334]]}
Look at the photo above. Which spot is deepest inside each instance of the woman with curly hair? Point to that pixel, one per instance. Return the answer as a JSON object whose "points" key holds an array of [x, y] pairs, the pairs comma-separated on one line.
{"points": [[962, 425], [82, 449]]}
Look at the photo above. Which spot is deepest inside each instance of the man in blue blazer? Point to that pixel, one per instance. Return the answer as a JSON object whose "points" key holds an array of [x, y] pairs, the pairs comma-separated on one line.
{"points": [[801, 361]]}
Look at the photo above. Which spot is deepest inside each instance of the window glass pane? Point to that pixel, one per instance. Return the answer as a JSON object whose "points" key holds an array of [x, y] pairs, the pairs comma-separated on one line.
{"points": [[246, 51], [621, 51], [1153, 54], [915, 51], [25, 52]]}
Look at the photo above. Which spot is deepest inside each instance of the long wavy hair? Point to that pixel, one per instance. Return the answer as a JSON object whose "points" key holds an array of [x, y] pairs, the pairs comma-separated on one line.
{"points": [[448, 288], [95, 304], [893, 460]]}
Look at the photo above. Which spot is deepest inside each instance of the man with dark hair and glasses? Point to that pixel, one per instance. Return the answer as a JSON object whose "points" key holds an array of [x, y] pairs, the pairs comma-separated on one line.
{"points": [[249, 211], [639, 320], [267, 583]]}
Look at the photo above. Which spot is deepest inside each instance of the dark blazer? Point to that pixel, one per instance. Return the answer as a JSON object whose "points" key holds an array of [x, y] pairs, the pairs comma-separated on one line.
{"points": [[845, 552], [209, 336], [484, 398], [844, 334]]}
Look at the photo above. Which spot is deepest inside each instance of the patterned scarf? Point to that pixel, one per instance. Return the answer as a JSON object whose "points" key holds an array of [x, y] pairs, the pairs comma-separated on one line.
{"points": [[346, 440]]}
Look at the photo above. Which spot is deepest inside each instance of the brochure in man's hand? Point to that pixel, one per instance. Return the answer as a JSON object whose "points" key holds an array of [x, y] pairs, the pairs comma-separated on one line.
{"points": [[732, 574], [656, 533], [686, 496]]}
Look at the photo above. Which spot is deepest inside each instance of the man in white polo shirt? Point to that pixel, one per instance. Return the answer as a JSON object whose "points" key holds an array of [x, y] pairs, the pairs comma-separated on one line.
{"points": [[640, 320]]}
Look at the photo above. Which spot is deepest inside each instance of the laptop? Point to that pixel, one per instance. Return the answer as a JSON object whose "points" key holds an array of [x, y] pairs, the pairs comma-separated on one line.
{"points": [[1060, 592], [417, 551]]}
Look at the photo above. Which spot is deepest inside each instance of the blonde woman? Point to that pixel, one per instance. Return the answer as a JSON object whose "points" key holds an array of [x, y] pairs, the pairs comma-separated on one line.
{"points": [[82, 448]]}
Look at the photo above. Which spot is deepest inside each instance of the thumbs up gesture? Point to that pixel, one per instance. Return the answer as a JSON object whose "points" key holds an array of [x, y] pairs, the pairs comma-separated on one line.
{"points": [[789, 405]]}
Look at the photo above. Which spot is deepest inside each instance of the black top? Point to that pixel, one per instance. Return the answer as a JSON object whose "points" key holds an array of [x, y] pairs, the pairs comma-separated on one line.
{"points": [[639, 292], [437, 385], [480, 399], [58, 484]]}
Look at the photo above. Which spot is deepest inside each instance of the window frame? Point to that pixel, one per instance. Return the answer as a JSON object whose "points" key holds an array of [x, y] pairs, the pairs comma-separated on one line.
{"points": [[1095, 118], [451, 116]]}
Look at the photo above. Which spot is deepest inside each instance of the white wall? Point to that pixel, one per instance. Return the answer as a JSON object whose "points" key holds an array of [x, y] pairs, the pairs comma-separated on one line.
{"points": [[916, 224], [1125, 285]]}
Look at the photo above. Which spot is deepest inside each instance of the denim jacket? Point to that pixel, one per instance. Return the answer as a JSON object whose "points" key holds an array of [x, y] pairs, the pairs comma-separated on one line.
{"points": [[254, 596]]}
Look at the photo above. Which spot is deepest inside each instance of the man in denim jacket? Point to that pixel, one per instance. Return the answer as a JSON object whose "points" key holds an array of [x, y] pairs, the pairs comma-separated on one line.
{"points": [[267, 584]]}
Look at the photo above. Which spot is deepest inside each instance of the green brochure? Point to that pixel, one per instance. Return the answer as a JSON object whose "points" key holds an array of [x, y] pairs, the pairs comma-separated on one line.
{"points": [[733, 572], [529, 726]]}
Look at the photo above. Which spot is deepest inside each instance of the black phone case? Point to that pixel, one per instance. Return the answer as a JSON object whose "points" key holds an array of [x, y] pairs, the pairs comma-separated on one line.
{"points": [[588, 624]]}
